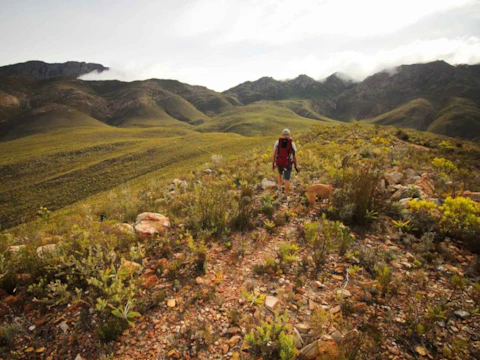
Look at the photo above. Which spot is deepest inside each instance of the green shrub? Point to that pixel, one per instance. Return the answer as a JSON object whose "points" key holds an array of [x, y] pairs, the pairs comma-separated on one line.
{"points": [[111, 329], [320, 245], [358, 190], [211, 208], [8, 333], [337, 234], [267, 204], [272, 339], [243, 220]]}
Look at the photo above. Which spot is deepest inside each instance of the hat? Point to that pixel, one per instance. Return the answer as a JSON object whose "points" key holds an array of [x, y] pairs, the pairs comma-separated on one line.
{"points": [[286, 132]]}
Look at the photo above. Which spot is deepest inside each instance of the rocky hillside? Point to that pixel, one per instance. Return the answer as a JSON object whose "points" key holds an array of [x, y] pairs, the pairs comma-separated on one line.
{"points": [[43, 70], [139, 103], [216, 263], [302, 87], [438, 83]]}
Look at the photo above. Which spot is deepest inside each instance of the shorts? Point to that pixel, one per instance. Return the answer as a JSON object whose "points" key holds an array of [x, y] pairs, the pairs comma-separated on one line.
{"points": [[286, 171]]}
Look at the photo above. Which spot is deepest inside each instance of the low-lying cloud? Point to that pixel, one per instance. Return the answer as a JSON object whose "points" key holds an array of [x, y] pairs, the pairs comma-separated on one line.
{"points": [[354, 63]]}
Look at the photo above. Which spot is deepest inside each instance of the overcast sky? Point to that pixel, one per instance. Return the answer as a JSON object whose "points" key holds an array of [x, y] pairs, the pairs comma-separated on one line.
{"points": [[221, 43]]}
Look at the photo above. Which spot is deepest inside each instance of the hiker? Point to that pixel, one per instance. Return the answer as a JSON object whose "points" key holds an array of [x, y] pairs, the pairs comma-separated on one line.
{"points": [[284, 157]]}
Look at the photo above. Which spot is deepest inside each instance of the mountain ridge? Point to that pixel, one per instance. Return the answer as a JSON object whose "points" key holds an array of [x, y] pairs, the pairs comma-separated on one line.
{"points": [[42, 70], [386, 97]]}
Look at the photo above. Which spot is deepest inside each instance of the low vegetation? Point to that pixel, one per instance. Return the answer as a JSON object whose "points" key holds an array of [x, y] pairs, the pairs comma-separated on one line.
{"points": [[383, 269]]}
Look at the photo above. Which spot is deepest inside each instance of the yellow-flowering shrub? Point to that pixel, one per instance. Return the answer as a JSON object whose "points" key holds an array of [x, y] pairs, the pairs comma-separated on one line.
{"points": [[461, 218], [417, 205], [443, 165], [423, 215], [377, 140], [460, 214]]}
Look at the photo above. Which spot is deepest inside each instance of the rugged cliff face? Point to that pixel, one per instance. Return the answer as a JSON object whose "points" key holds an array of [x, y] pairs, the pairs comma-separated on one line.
{"points": [[42, 70]]}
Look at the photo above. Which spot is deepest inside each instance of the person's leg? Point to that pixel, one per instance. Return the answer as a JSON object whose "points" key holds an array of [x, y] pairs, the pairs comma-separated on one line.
{"points": [[280, 174], [287, 174]]}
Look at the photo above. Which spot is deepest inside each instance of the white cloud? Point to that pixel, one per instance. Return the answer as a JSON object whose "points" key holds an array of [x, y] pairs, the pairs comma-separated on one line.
{"points": [[356, 64], [277, 22]]}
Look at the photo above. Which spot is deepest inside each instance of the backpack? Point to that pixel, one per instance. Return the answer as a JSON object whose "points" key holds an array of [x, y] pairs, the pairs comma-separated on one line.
{"points": [[283, 152]]}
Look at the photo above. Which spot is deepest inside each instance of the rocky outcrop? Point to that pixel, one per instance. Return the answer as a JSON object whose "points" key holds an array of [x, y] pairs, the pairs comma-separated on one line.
{"points": [[43, 70]]}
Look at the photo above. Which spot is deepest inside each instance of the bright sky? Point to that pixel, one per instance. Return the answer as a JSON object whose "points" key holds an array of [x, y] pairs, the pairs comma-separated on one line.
{"points": [[221, 43]]}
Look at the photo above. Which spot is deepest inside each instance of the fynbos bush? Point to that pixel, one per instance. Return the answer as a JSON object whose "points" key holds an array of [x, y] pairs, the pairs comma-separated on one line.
{"points": [[358, 190]]}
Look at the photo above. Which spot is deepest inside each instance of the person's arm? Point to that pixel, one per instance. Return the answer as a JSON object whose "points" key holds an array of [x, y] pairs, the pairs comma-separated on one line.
{"points": [[274, 157], [294, 156]]}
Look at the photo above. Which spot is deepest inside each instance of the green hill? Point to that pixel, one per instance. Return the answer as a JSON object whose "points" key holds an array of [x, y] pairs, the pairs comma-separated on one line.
{"points": [[53, 117], [461, 117], [416, 114], [258, 119]]}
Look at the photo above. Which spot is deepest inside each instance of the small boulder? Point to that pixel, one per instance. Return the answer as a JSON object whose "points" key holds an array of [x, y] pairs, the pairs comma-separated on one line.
{"points": [[404, 202], [47, 251], [410, 173], [411, 191], [394, 177], [268, 184], [180, 183], [16, 248], [326, 347], [125, 228], [149, 224], [130, 267]]}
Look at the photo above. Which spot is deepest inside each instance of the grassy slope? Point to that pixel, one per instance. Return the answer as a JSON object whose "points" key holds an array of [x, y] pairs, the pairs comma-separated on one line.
{"points": [[53, 117], [415, 114], [258, 119], [461, 117], [173, 111], [63, 167]]}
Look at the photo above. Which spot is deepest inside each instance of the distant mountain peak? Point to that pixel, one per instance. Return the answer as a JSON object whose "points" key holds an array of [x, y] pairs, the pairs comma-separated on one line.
{"points": [[41, 70], [303, 81], [341, 76]]}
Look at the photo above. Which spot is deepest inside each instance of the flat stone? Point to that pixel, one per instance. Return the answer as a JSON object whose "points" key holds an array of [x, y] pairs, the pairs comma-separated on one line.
{"points": [[271, 303], [335, 309], [234, 340], [268, 184], [344, 293], [297, 339], [462, 314], [360, 307], [302, 328]]}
